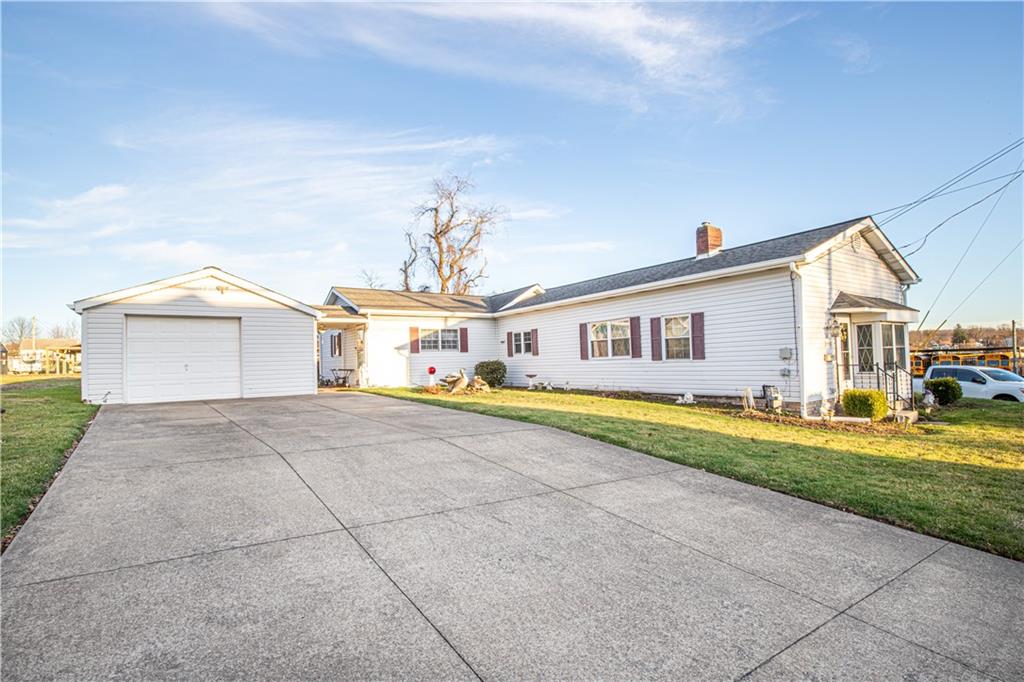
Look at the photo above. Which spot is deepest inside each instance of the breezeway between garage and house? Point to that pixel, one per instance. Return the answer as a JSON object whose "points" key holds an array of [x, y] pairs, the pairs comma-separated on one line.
{"points": [[354, 536]]}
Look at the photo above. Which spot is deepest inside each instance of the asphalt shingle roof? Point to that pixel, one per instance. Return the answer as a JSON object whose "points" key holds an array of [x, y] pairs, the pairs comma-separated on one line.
{"points": [[845, 300], [384, 299], [787, 246]]}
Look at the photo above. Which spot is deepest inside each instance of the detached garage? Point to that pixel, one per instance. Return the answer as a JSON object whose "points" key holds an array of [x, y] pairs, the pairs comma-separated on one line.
{"points": [[204, 335]]}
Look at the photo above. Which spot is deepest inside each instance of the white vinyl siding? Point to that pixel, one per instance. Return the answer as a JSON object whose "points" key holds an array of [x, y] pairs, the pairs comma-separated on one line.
{"points": [[747, 319], [277, 342], [389, 362], [858, 271], [333, 354]]}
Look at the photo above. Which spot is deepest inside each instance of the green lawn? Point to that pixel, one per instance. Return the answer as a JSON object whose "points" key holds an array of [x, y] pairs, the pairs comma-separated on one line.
{"points": [[42, 420], [963, 482]]}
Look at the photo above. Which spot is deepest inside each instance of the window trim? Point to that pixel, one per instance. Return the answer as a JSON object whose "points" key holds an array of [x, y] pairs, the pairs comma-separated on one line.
{"points": [[426, 343], [665, 337], [608, 341], [898, 358]]}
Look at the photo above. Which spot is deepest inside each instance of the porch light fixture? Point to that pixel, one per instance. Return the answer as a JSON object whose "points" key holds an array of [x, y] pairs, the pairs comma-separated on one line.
{"points": [[833, 328]]}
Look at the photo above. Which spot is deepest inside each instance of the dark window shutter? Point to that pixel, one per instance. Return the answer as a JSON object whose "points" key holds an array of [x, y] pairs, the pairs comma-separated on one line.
{"points": [[463, 339], [584, 338], [508, 344], [697, 335], [635, 350], [533, 341], [655, 338], [414, 339]]}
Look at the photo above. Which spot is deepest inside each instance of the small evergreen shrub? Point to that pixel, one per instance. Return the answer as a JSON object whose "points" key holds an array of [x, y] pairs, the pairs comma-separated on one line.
{"points": [[491, 371], [946, 390], [863, 402]]}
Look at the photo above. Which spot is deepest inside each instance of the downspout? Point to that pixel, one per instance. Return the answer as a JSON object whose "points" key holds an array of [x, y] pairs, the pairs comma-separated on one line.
{"points": [[794, 274]]}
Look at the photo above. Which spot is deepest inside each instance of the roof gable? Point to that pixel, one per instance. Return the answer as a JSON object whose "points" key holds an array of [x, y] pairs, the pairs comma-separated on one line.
{"points": [[207, 272]]}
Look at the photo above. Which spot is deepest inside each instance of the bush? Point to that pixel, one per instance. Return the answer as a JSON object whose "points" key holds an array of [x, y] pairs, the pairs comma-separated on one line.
{"points": [[863, 402], [946, 390], [491, 371]]}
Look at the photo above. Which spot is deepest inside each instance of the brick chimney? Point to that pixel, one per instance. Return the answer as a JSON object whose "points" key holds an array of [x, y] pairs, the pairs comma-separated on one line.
{"points": [[709, 240]]}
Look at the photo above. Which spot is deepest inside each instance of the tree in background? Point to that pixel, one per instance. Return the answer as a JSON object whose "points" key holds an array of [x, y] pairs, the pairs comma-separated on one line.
{"points": [[372, 280], [960, 335], [68, 330], [451, 244], [17, 329]]}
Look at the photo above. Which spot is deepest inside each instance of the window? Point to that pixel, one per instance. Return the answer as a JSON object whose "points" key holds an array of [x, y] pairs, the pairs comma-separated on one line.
{"points": [[449, 339], [969, 376], [609, 339], [677, 337], [439, 339], [1001, 375], [940, 372], [894, 345], [430, 339], [865, 347], [522, 343]]}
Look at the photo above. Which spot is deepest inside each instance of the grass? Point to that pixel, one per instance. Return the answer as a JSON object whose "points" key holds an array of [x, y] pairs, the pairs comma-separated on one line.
{"points": [[17, 379], [963, 481], [42, 421]]}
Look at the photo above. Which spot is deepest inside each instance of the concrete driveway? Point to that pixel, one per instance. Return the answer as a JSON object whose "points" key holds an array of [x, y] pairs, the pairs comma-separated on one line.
{"points": [[355, 536]]}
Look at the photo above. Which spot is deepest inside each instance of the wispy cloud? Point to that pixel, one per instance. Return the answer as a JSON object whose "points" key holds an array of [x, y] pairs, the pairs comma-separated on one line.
{"points": [[856, 54], [621, 53], [253, 192]]}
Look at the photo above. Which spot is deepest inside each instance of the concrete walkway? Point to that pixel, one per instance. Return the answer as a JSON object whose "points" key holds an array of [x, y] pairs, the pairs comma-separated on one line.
{"points": [[355, 536]]}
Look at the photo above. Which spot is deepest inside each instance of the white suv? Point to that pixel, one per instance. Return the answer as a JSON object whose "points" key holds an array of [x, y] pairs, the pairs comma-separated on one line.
{"points": [[979, 382]]}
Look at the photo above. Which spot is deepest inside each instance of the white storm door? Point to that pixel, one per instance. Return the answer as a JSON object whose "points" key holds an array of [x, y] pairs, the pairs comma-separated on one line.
{"points": [[182, 358]]}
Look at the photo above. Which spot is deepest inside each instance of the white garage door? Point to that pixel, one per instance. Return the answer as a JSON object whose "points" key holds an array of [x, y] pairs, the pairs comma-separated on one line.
{"points": [[182, 358]]}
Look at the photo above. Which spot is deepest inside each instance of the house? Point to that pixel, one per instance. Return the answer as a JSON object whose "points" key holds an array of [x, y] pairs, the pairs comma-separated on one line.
{"points": [[811, 313], [52, 356]]}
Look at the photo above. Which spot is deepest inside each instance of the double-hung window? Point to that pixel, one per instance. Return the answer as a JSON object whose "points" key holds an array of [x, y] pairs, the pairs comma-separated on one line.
{"points": [[439, 339], [894, 344], [677, 337], [609, 339], [522, 343]]}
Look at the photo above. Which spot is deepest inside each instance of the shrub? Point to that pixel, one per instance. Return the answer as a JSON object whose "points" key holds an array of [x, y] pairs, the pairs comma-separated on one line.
{"points": [[491, 371], [863, 402], [946, 390]]}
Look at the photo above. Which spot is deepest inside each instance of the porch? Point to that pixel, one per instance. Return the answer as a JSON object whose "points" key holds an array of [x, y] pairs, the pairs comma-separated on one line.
{"points": [[871, 347], [341, 356]]}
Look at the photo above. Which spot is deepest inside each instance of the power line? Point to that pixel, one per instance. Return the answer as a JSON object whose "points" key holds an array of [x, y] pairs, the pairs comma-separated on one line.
{"points": [[949, 183], [924, 238], [968, 296], [967, 250], [952, 191]]}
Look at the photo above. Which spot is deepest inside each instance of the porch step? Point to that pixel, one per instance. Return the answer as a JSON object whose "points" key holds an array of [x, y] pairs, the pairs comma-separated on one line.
{"points": [[905, 416]]}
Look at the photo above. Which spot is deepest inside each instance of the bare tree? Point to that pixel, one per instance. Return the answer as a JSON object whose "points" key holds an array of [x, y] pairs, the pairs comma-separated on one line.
{"points": [[16, 329], [452, 241], [372, 279], [67, 330], [408, 268]]}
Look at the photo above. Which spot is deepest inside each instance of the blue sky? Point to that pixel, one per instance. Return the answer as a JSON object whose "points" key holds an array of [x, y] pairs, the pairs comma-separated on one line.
{"points": [[289, 144]]}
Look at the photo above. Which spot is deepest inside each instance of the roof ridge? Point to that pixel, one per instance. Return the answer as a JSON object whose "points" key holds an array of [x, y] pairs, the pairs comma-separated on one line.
{"points": [[724, 250]]}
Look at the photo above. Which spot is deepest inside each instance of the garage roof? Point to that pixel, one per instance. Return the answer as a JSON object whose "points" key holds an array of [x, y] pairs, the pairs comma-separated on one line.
{"points": [[209, 271]]}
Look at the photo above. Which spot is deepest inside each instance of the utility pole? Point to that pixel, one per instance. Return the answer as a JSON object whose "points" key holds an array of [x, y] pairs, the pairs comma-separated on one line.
{"points": [[1013, 337], [33, 332]]}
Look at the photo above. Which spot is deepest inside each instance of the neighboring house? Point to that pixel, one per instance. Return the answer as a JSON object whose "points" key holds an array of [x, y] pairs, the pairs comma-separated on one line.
{"points": [[811, 313], [46, 355]]}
